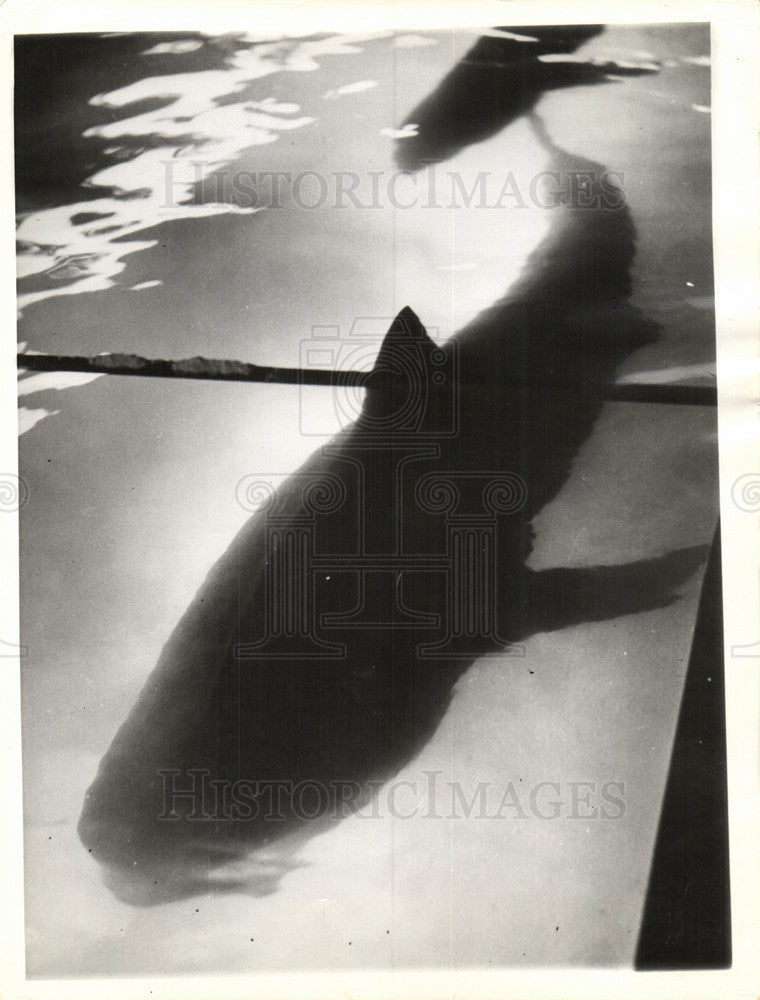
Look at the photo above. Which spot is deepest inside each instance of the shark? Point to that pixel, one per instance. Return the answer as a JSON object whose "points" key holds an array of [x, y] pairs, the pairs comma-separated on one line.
{"points": [[325, 645]]}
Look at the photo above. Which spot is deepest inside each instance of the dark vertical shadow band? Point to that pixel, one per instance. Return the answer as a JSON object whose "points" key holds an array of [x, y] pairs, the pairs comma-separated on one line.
{"points": [[687, 913]]}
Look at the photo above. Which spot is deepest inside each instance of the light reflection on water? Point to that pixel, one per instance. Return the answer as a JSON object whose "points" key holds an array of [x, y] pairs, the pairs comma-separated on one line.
{"points": [[77, 241], [197, 129], [177, 139], [155, 160]]}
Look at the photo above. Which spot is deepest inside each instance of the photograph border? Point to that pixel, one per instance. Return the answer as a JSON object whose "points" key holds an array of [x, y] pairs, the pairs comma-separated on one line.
{"points": [[735, 33]]}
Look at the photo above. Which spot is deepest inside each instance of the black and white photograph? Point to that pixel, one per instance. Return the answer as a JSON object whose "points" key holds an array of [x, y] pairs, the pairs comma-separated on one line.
{"points": [[372, 508]]}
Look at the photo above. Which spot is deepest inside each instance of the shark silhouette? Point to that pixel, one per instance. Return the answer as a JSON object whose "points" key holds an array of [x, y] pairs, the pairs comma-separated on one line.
{"points": [[499, 79], [322, 650]]}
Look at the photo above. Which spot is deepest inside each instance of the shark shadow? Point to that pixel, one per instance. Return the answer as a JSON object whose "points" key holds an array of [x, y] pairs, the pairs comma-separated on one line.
{"points": [[322, 650], [498, 80]]}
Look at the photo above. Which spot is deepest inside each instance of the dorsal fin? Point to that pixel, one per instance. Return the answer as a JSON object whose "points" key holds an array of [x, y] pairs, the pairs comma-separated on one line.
{"points": [[406, 331], [397, 389]]}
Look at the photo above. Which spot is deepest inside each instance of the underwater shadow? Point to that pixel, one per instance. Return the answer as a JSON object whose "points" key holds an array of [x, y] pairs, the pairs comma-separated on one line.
{"points": [[322, 651], [498, 80]]}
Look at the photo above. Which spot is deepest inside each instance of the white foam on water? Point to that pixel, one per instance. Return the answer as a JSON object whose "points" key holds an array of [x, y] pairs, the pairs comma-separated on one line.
{"points": [[601, 61], [174, 48], [515, 36], [253, 37], [28, 418], [497, 33], [351, 88], [406, 132], [413, 41], [141, 286], [44, 381]]}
